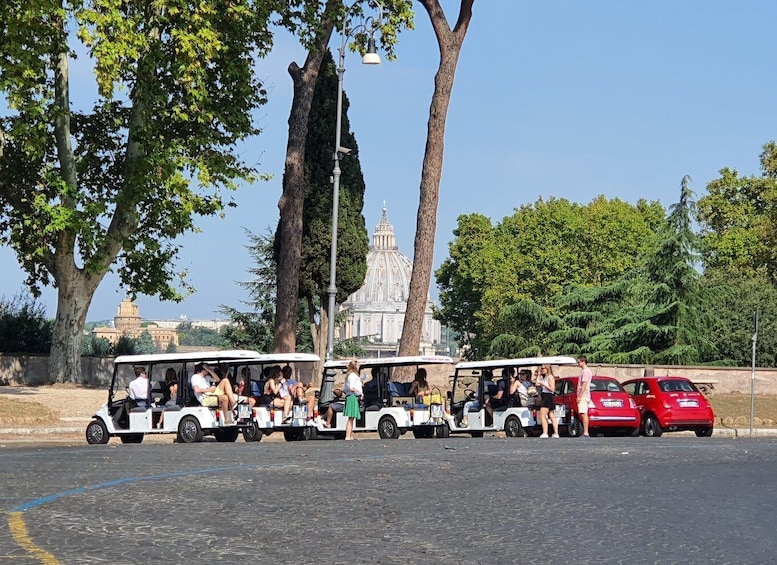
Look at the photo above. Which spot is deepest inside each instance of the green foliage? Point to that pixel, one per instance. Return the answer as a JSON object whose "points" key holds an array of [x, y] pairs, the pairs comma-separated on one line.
{"points": [[176, 92], [738, 219], [654, 313], [738, 296], [96, 347], [352, 240], [124, 346], [145, 344], [530, 258], [24, 327], [199, 336]]}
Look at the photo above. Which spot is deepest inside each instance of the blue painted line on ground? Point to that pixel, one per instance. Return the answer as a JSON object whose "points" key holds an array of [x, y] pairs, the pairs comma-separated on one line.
{"points": [[45, 499]]}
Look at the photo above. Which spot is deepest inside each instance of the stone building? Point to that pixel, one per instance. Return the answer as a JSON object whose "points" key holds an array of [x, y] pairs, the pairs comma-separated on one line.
{"points": [[127, 322], [377, 310]]}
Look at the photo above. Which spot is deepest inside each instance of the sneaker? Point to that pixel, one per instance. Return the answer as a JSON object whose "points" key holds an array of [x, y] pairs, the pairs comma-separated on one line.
{"points": [[463, 424], [543, 436], [326, 425], [555, 435], [286, 420], [585, 435]]}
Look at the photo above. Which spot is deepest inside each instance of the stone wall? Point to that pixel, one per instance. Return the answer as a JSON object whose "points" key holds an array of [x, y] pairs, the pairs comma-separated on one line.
{"points": [[31, 370]]}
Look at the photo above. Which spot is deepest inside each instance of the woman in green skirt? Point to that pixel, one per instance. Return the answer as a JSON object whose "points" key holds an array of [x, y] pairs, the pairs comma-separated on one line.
{"points": [[353, 393]]}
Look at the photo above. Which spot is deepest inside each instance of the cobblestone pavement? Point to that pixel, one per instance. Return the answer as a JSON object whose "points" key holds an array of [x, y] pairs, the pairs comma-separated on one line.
{"points": [[459, 500]]}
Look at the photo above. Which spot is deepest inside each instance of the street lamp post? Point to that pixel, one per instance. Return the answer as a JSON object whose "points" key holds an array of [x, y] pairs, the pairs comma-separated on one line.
{"points": [[370, 25]]}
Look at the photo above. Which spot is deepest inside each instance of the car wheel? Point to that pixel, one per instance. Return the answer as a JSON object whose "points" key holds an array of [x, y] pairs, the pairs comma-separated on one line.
{"points": [[574, 427], [634, 432], [226, 435], [651, 427], [131, 438], [291, 435], [514, 428], [704, 432], [443, 431], [309, 433], [189, 430], [97, 433], [387, 428], [252, 433]]}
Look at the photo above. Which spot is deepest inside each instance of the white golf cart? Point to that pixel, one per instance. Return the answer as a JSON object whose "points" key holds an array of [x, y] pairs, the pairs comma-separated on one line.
{"points": [[478, 380], [122, 417], [388, 408], [267, 419]]}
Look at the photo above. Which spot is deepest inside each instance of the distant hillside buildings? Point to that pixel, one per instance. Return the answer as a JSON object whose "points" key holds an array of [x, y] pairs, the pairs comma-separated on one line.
{"points": [[127, 322]]}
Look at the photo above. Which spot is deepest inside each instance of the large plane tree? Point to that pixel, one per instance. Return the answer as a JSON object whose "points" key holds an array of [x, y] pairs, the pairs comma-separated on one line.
{"points": [[86, 190]]}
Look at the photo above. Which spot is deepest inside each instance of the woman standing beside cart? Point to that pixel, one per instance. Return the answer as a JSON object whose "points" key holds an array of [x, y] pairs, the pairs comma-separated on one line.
{"points": [[354, 393]]}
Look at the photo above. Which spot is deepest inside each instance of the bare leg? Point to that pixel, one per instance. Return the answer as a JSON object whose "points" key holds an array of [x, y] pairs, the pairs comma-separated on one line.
{"points": [[544, 420], [226, 389], [349, 428], [584, 420], [554, 421]]}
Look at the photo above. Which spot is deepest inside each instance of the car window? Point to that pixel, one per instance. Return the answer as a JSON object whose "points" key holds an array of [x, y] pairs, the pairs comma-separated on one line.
{"points": [[630, 388], [677, 386], [606, 385]]}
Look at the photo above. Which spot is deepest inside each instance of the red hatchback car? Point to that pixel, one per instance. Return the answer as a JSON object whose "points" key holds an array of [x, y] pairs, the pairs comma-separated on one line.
{"points": [[612, 409], [671, 404]]}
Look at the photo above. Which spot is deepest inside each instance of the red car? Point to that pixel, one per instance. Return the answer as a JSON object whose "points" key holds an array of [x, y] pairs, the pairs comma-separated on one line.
{"points": [[612, 410], [671, 404]]}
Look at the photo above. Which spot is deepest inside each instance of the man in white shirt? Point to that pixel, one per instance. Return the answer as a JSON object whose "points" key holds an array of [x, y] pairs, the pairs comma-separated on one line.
{"points": [[138, 387], [211, 396]]}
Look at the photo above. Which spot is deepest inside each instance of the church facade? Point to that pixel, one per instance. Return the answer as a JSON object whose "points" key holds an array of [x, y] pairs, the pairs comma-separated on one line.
{"points": [[377, 310]]}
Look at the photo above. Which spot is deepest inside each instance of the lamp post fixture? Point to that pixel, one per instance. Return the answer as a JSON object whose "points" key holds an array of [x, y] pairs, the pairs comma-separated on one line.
{"points": [[371, 57]]}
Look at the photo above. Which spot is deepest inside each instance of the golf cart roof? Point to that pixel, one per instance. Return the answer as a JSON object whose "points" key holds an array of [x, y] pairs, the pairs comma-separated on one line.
{"points": [[519, 362], [200, 356], [392, 361], [267, 358]]}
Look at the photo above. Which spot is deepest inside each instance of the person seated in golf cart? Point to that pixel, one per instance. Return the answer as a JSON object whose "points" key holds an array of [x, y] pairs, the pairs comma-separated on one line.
{"points": [[507, 393], [211, 396], [337, 405], [420, 388], [276, 395]]}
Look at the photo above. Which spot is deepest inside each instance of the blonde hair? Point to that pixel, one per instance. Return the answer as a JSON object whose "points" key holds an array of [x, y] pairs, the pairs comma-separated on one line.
{"points": [[353, 366], [549, 369]]}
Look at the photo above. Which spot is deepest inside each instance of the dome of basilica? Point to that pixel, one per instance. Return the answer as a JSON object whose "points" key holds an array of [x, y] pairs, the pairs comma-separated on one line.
{"points": [[377, 309], [388, 270]]}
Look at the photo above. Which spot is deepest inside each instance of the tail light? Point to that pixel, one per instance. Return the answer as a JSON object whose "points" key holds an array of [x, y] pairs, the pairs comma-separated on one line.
{"points": [[632, 404]]}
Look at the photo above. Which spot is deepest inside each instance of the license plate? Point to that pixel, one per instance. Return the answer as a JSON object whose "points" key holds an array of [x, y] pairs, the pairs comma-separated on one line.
{"points": [[689, 403], [436, 410], [243, 411], [561, 411], [300, 411], [612, 403]]}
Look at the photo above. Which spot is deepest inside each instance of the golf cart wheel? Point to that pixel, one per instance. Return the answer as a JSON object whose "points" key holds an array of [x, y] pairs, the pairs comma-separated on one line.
{"points": [[514, 428], [252, 433], [97, 433], [387, 428], [189, 430]]}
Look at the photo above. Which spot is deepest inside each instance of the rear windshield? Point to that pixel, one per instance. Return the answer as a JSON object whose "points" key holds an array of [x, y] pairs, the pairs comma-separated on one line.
{"points": [[677, 386], [606, 385]]}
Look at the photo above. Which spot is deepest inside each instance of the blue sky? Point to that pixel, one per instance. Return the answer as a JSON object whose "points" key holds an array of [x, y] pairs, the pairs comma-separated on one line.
{"points": [[552, 99]]}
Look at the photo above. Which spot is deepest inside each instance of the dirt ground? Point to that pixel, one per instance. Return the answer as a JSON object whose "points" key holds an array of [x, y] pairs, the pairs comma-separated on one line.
{"points": [[72, 406]]}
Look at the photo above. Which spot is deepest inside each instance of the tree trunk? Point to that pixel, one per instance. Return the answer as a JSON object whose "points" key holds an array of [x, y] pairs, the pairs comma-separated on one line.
{"points": [[75, 290], [450, 43], [291, 203], [319, 339]]}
